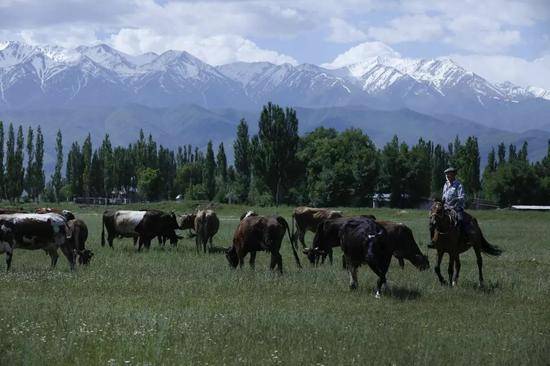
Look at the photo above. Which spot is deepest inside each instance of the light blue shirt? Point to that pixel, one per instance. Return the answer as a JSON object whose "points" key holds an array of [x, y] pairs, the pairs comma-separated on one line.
{"points": [[453, 195]]}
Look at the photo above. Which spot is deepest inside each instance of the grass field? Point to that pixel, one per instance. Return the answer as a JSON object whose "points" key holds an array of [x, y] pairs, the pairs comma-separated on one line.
{"points": [[176, 307]]}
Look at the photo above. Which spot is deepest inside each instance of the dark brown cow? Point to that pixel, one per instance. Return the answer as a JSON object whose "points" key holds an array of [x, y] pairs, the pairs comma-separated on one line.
{"points": [[308, 219], [364, 241], [79, 235], [260, 233], [206, 226], [142, 225], [36, 231], [327, 237]]}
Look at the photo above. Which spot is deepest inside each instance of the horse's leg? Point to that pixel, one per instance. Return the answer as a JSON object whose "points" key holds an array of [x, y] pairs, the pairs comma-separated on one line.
{"points": [[479, 264], [9, 256], [252, 260], [437, 268], [450, 269], [457, 270]]}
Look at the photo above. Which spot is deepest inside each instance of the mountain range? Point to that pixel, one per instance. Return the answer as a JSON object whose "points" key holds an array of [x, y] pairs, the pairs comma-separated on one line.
{"points": [[181, 99]]}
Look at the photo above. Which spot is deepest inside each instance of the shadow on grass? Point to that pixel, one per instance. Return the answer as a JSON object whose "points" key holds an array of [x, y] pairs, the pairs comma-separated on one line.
{"points": [[489, 288], [215, 249], [403, 293]]}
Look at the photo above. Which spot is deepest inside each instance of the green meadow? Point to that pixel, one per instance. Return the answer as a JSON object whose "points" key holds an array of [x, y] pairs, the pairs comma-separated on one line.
{"points": [[173, 306]]}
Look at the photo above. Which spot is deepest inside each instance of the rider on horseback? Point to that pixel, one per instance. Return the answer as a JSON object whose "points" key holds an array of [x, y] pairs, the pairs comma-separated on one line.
{"points": [[453, 197]]}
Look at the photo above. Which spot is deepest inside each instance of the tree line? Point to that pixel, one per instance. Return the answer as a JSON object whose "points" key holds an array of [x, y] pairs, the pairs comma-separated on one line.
{"points": [[322, 168]]}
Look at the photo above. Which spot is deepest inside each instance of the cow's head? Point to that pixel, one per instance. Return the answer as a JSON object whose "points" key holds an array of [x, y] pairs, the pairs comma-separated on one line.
{"points": [[232, 257], [313, 253], [187, 221], [420, 261], [248, 214], [6, 234], [85, 256]]}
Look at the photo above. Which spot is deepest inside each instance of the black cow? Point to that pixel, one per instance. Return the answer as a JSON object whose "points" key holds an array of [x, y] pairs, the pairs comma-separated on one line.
{"points": [[327, 237], [33, 231], [365, 241], [79, 235], [143, 225], [260, 233]]}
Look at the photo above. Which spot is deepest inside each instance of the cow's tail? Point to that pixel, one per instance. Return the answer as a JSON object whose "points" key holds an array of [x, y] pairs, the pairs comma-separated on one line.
{"points": [[103, 231], [292, 242], [292, 222], [489, 248]]}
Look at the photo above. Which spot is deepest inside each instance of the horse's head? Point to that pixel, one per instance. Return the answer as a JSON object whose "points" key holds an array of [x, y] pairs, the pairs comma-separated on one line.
{"points": [[437, 214]]}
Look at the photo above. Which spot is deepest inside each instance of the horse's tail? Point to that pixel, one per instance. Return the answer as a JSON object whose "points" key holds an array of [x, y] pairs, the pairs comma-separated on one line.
{"points": [[488, 248], [291, 238]]}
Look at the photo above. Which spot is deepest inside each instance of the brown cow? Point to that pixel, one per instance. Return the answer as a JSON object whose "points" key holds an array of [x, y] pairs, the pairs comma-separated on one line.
{"points": [[260, 233], [308, 219], [79, 232], [206, 226]]}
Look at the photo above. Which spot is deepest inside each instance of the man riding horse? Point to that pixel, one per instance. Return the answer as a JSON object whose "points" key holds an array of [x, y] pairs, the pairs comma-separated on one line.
{"points": [[453, 198]]}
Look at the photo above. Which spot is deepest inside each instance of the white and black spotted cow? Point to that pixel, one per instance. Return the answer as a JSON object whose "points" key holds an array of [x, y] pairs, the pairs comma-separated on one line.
{"points": [[36, 231], [143, 225]]}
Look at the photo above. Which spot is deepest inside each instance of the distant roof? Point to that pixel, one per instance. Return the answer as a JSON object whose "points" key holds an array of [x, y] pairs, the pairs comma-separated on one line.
{"points": [[526, 207]]}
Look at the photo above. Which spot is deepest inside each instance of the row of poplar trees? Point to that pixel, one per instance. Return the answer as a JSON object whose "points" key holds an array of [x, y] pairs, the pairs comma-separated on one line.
{"points": [[21, 163], [276, 165]]}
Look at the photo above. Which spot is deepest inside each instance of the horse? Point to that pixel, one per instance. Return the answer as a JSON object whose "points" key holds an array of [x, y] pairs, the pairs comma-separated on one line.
{"points": [[447, 237]]}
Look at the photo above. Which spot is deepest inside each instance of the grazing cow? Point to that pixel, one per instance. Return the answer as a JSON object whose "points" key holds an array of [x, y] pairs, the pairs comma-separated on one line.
{"points": [[36, 231], [68, 215], [327, 237], [366, 241], [142, 225], [206, 226], [79, 232], [259, 233], [308, 218], [247, 214]]}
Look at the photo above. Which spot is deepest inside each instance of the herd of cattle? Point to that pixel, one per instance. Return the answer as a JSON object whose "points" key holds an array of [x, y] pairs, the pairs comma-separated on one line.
{"points": [[363, 239]]}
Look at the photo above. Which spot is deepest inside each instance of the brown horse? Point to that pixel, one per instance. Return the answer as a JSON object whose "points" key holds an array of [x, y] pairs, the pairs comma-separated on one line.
{"points": [[447, 238]]}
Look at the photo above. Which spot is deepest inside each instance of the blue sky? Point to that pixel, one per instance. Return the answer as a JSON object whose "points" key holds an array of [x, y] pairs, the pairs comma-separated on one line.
{"points": [[500, 40]]}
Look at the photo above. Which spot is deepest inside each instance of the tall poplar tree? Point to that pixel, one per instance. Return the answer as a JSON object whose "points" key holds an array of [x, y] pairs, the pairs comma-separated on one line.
{"points": [[210, 172], [57, 180], [241, 150]]}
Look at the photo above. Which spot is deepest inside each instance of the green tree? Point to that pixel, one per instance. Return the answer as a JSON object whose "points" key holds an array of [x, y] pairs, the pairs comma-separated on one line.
{"points": [[210, 172], [2, 172], [19, 170], [74, 170], [106, 158], [439, 165], [87, 166], [29, 174], [57, 181], [149, 183], [275, 149], [222, 163], [241, 149], [39, 179], [11, 167]]}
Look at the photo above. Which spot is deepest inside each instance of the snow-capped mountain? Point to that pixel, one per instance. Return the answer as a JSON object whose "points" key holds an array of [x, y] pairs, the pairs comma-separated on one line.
{"points": [[54, 77]]}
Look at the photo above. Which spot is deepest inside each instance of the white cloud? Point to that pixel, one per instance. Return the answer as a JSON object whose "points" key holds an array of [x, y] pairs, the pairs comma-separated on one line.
{"points": [[343, 32], [361, 53], [499, 68], [408, 28], [214, 50]]}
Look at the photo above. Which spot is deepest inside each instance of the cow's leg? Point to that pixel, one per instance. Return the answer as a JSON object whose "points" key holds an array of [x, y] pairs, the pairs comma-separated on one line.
{"points": [[276, 261], [9, 256], [437, 268], [160, 240], [197, 243], [110, 239], [210, 240], [252, 260], [330, 256], [70, 255], [479, 264], [301, 237], [53, 255], [140, 245], [352, 270], [380, 269], [135, 238], [401, 262], [241, 259]]}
